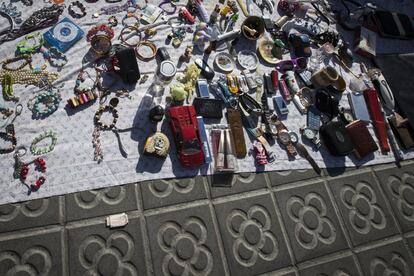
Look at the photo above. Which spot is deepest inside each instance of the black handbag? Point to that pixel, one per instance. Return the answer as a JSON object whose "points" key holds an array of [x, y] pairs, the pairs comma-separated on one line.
{"points": [[336, 138]]}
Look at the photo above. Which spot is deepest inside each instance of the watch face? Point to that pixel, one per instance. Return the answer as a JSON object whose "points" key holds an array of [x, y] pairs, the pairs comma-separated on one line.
{"points": [[293, 137], [309, 133], [284, 137]]}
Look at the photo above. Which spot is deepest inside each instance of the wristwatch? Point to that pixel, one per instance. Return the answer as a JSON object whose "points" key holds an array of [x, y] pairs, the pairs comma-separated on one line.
{"points": [[284, 136], [310, 134]]}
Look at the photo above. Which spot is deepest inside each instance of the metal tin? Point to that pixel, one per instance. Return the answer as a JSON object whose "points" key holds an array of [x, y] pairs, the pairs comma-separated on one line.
{"points": [[166, 71]]}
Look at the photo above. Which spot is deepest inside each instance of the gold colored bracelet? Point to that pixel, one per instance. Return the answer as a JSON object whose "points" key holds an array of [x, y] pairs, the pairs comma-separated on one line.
{"points": [[149, 44]]}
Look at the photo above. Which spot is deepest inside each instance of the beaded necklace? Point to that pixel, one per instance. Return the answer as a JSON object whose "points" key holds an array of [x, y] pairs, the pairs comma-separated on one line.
{"points": [[19, 75]]}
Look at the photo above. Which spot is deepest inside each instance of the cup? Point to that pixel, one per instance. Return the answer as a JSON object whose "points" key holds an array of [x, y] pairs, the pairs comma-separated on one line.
{"points": [[325, 77]]}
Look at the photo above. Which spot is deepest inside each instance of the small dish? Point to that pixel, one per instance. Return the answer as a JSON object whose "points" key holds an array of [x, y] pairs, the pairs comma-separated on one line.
{"points": [[224, 61], [266, 50], [248, 60]]}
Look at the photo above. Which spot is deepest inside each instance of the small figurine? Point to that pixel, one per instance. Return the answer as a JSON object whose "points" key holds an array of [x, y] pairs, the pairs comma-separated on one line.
{"points": [[261, 155], [188, 53]]}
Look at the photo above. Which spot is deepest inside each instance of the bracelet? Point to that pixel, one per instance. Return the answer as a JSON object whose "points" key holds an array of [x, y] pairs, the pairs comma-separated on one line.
{"points": [[50, 101], [98, 116], [26, 58], [40, 67], [54, 56], [101, 44], [99, 30], [47, 134], [22, 47], [130, 15], [112, 21], [149, 44], [168, 12], [81, 9], [136, 33], [10, 136]]}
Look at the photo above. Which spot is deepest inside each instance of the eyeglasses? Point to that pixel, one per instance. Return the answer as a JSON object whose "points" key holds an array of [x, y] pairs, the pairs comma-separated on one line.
{"points": [[294, 64]]}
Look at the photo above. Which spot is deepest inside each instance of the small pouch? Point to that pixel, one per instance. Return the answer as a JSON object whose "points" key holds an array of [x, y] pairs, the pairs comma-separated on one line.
{"points": [[402, 130], [362, 139], [336, 138], [128, 66], [208, 108]]}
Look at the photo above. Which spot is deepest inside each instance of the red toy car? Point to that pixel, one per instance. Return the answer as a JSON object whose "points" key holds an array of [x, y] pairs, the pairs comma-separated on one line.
{"points": [[183, 122]]}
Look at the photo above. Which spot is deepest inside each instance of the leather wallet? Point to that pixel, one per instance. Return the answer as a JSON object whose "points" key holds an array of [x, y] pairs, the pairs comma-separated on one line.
{"points": [[236, 126], [336, 138], [362, 139], [128, 66], [402, 130], [208, 108]]}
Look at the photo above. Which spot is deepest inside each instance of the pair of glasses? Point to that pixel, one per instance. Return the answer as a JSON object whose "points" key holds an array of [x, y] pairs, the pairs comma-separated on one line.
{"points": [[293, 64]]}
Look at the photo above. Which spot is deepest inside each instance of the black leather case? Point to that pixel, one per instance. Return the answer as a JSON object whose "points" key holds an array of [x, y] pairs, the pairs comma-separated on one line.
{"points": [[128, 66], [336, 138]]}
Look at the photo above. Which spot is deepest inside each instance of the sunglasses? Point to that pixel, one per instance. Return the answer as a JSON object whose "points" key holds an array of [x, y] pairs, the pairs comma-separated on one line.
{"points": [[293, 64]]}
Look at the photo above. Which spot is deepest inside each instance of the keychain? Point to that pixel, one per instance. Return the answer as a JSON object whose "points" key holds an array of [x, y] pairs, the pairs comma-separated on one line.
{"points": [[21, 169]]}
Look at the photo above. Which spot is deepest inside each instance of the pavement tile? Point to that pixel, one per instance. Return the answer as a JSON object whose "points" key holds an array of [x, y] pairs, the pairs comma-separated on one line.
{"points": [[184, 242], [390, 259], [362, 207], [159, 193], [310, 221], [283, 177], [341, 266], [33, 254], [398, 185], [29, 214], [242, 182], [278, 273], [410, 241], [252, 235], [98, 250], [100, 202]]}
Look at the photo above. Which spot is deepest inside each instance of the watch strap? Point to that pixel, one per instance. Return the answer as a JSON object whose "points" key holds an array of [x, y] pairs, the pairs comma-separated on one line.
{"points": [[290, 148], [250, 105], [235, 121]]}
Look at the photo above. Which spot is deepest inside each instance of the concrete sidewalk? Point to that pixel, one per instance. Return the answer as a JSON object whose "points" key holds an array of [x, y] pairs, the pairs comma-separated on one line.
{"points": [[357, 222]]}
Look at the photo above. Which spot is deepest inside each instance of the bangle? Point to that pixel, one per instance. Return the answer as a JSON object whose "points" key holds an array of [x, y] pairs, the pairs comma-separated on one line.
{"points": [[22, 47], [168, 11], [149, 44], [47, 134], [81, 9], [99, 30], [130, 15], [101, 44], [132, 30]]}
